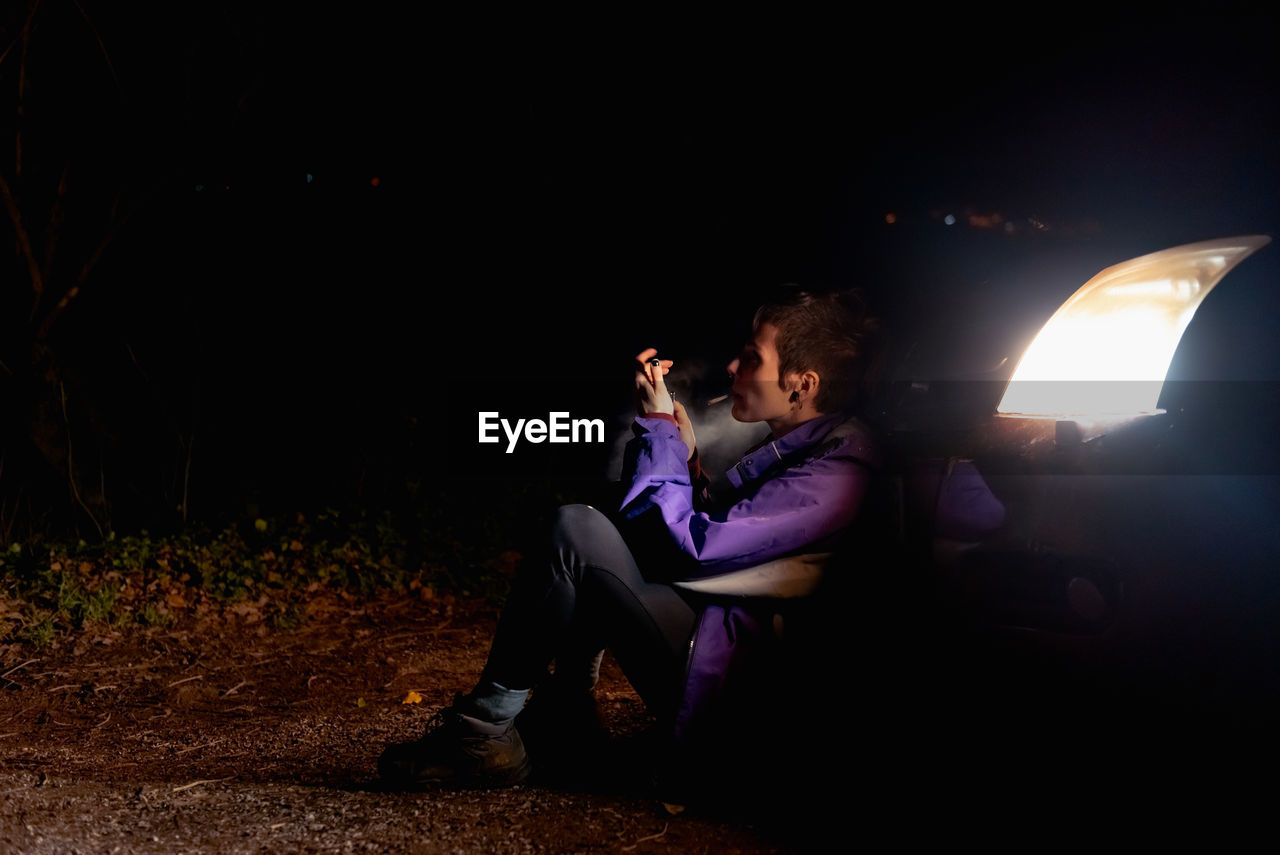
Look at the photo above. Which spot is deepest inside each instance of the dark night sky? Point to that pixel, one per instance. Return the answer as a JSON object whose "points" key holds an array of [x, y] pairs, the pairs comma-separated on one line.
{"points": [[555, 192], [580, 174]]}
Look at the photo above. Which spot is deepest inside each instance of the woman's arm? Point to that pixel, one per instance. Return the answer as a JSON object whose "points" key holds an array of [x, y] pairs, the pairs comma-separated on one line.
{"points": [[796, 508]]}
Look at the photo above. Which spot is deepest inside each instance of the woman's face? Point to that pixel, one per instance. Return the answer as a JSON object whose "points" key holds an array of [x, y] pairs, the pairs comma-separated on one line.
{"points": [[756, 394]]}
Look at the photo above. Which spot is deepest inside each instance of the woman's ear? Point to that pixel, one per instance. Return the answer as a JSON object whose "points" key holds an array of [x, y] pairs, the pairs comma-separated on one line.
{"points": [[809, 382], [805, 384]]}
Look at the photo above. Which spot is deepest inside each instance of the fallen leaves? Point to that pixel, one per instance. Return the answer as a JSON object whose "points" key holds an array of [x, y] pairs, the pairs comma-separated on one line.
{"points": [[412, 698], [251, 611]]}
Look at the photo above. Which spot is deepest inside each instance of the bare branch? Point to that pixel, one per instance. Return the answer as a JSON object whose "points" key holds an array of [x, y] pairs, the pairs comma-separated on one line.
{"points": [[54, 229], [9, 47], [117, 224], [134, 359], [71, 469], [22, 88], [101, 46], [23, 239]]}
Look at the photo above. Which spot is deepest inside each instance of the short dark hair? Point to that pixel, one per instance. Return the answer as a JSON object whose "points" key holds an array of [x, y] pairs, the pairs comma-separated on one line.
{"points": [[830, 332]]}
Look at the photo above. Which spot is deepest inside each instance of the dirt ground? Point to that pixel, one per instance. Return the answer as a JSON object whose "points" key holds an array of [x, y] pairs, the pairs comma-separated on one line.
{"points": [[223, 733], [230, 737]]}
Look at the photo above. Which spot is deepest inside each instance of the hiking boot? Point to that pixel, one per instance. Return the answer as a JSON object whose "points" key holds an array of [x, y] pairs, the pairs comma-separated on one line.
{"points": [[458, 750]]}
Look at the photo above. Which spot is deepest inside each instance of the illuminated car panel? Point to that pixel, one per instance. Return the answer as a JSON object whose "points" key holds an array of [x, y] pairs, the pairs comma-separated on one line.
{"points": [[1105, 352]]}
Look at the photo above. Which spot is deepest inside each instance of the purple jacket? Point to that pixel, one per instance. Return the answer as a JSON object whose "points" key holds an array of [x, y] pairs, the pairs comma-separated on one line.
{"points": [[785, 497], [788, 494]]}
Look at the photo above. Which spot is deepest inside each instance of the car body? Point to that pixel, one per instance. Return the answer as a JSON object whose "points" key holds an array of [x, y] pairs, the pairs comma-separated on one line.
{"points": [[1125, 592]]}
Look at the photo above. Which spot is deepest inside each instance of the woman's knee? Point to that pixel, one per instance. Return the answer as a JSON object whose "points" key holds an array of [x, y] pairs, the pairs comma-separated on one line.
{"points": [[582, 535], [571, 545], [579, 522]]}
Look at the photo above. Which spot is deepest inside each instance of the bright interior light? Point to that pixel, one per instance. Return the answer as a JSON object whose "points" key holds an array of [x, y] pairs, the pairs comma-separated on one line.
{"points": [[1107, 349]]}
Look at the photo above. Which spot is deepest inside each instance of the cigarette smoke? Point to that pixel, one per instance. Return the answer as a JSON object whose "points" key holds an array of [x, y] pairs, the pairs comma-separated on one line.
{"points": [[721, 438]]}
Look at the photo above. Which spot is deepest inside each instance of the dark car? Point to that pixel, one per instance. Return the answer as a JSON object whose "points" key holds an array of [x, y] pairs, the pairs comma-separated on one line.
{"points": [[1082, 534]]}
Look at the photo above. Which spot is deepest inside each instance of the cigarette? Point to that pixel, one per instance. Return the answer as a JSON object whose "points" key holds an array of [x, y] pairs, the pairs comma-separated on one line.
{"points": [[715, 401]]}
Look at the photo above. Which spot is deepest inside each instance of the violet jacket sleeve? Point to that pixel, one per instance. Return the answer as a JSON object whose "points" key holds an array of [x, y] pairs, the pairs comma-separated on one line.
{"points": [[783, 513]]}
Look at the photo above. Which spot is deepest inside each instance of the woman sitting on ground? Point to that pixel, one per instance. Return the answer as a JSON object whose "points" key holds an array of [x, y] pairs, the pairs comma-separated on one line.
{"points": [[629, 580]]}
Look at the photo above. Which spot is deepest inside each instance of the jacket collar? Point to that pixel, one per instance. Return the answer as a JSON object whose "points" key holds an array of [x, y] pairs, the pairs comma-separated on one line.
{"points": [[763, 457]]}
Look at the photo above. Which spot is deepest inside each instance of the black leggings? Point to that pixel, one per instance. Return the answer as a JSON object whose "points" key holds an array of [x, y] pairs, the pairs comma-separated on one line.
{"points": [[589, 594]]}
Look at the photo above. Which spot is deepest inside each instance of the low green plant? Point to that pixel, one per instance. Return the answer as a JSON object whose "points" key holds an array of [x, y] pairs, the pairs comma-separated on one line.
{"points": [[39, 630], [151, 615], [290, 617], [78, 605], [462, 544]]}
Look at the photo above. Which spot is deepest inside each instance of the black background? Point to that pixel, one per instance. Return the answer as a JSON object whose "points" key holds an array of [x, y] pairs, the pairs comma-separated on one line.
{"points": [[355, 229]]}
